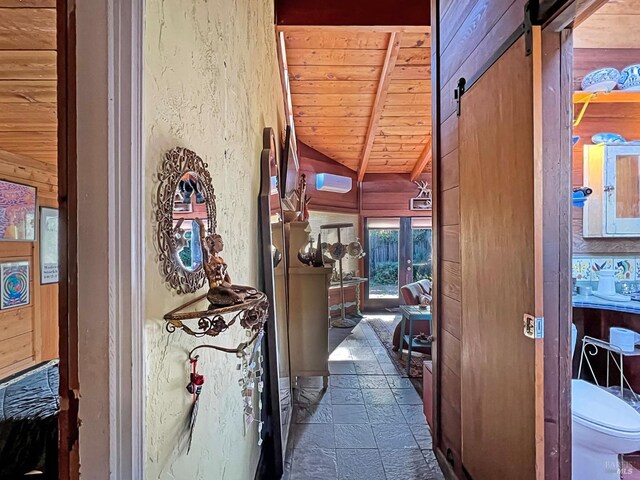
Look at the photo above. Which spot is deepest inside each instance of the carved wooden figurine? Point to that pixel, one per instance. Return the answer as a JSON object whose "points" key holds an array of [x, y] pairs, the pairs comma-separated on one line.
{"points": [[222, 292]]}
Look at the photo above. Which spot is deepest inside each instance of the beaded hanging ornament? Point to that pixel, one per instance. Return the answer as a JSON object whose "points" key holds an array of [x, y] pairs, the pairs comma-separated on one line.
{"points": [[194, 387], [251, 366], [251, 363]]}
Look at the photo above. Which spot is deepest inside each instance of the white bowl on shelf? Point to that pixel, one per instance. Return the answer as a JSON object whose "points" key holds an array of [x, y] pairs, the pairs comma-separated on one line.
{"points": [[601, 80], [607, 138], [629, 80]]}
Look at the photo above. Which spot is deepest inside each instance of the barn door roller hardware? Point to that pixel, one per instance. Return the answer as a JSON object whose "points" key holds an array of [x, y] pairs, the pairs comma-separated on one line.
{"points": [[525, 28], [527, 25]]}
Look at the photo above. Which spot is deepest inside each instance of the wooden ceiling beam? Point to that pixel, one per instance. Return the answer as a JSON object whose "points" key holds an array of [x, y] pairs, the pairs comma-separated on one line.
{"points": [[422, 162], [381, 95]]}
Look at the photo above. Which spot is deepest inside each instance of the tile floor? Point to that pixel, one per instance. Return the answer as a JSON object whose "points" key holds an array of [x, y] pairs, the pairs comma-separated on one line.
{"points": [[367, 425]]}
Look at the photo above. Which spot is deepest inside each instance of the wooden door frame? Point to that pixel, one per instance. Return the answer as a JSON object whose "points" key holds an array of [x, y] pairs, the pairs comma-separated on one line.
{"points": [[101, 314], [68, 454], [556, 74]]}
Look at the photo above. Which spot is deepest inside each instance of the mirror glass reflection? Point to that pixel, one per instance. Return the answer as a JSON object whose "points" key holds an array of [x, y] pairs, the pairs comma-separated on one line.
{"points": [[280, 300], [189, 203]]}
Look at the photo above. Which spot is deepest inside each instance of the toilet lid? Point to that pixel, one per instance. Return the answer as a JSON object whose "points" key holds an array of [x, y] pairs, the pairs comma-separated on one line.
{"points": [[596, 405]]}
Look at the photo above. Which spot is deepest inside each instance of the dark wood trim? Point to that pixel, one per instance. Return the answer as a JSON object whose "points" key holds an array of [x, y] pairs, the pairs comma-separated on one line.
{"points": [[436, 248], [394, 213], [562, 14], [565, 309], [351, 12], [327, 209], [557, 111], [274, 466], [68, 422]]}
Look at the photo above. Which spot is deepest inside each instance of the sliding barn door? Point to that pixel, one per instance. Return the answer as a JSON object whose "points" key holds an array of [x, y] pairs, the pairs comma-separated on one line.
{"points": [[500, 215]]}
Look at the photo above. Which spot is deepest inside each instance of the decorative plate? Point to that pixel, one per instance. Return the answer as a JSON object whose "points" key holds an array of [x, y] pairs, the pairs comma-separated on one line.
{"points": [[607, 138], [354, 249], [601, 80], [629, 80], [337, 250]]}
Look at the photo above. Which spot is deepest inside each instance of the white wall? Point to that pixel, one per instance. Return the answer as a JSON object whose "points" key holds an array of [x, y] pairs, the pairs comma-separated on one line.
{"points": [[211, 84]]}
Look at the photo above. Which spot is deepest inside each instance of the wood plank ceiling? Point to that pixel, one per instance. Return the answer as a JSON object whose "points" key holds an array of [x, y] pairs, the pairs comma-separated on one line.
{"points": [[362, 95], [614, 25], [28, 119]]}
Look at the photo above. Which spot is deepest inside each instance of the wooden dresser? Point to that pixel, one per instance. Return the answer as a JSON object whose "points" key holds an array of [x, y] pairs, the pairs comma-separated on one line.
{"points": [[308, 309]]}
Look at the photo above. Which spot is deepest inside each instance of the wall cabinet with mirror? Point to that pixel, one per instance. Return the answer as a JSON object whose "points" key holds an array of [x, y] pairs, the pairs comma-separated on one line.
{"points": [[613, 209]]}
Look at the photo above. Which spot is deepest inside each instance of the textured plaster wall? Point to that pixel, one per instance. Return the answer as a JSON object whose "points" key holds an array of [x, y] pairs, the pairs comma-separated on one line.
{"points": [[211, 84]]}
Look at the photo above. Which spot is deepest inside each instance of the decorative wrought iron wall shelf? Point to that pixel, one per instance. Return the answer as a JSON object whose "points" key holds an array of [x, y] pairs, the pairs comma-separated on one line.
{"points": [[210, 322]]}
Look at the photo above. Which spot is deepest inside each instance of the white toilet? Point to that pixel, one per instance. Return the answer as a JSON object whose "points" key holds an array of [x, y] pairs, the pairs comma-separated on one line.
{"points": [[603, 428]]}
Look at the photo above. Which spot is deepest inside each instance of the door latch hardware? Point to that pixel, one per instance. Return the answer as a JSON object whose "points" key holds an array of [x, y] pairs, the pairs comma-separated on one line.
{"points": [[533, 326], [458, 92]]}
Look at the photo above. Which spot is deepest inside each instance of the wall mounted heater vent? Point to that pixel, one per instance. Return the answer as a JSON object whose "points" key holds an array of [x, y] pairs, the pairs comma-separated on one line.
{"points": [[327, 182]]}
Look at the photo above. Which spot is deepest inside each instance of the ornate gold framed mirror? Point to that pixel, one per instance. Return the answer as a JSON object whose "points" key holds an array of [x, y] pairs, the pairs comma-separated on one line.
{"points": [[185, 194]]}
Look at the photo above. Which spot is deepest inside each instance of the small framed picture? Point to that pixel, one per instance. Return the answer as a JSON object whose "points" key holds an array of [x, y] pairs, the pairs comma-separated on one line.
{"points": [[14, 284], [17, 212], [49, 260], [423, 203]]}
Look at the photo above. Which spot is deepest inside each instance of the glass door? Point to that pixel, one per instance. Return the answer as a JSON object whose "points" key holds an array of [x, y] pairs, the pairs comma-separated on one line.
{"points": [[382, 262], [398, 253], [421, 249]]}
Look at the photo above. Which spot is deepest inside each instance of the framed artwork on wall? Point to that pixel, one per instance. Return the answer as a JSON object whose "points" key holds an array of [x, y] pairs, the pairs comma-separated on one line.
{"points": [[17, 212], [14, 284], [49, 263]]}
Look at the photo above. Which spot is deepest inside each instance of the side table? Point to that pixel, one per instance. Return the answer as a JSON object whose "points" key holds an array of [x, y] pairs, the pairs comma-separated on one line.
{"points": [[411, 313]]}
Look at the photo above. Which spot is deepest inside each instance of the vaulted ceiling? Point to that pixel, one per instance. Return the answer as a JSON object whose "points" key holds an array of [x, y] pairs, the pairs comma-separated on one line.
{"points": [[361, 95]]}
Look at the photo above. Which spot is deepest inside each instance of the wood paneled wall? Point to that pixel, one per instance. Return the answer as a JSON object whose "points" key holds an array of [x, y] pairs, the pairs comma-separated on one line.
{"points": [[621, 118], [389, 195], [378, 195], [613, 25], [313, 162], [469, 32], [28, 154]]}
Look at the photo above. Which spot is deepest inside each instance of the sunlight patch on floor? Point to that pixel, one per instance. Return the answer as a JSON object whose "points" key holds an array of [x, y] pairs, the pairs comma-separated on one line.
{"points": [[340, 353]]}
